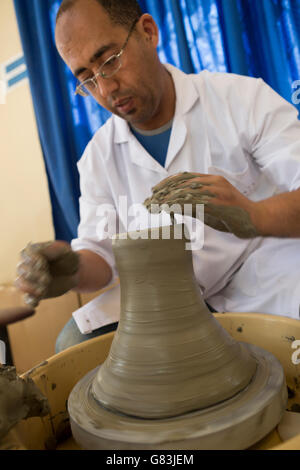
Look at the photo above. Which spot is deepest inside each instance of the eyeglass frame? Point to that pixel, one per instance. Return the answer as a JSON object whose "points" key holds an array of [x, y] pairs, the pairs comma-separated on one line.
{"points": [[101, 74]]}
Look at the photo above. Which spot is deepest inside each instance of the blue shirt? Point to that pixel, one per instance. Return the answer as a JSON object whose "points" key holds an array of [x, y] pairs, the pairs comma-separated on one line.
{"points": [[156, 142]]}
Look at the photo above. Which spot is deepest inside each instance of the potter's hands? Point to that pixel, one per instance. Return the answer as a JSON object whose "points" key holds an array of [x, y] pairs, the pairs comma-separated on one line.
{"points": [[47, 270], [226, 209]]}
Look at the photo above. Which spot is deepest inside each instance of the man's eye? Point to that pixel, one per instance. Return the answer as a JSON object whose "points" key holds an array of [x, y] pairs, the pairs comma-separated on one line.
{"points": [[83, 80], [112, 60]]}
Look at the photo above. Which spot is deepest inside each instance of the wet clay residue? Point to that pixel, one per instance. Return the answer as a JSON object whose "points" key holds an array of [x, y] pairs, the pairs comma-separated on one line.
{"points": [[19, 399], [290, 338], [62, 433], [34, 369]]}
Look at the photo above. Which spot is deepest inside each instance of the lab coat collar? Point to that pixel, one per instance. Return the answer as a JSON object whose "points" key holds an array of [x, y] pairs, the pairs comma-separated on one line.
{"points": [[186, 96], [186, 92]]}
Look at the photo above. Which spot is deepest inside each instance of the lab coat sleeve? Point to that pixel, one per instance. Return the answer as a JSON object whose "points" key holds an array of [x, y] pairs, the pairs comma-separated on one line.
{"points": [[275, 137], [97, 211]]}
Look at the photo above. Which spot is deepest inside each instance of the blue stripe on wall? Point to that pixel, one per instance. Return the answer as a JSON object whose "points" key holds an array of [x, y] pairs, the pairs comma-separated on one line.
{"points": [[15, 64], [17, 78]]}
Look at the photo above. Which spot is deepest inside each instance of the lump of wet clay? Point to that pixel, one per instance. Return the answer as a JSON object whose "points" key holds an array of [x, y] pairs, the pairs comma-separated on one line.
{"points": [[19, 399]]}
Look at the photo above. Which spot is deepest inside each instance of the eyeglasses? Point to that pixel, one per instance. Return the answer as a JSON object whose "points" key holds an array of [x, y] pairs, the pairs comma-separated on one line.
{"points": [[110, 67]]}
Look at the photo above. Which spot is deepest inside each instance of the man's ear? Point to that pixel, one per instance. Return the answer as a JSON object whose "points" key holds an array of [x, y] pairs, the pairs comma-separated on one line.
{"points": [[149, 30]]}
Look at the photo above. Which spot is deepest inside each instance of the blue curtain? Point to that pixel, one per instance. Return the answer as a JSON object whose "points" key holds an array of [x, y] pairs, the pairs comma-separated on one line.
{"points": [[259, 38]]}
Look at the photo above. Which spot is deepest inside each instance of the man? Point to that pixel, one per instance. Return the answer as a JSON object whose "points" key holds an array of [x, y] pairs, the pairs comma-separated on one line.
{"points": [[239, 138]]}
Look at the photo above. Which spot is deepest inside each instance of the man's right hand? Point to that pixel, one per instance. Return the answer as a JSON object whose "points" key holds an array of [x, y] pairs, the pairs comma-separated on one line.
{"points": [[47, 270]]}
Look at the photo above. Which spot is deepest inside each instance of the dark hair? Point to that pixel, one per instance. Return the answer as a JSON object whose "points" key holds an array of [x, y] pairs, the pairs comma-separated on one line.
{"points": [[122, 12]]}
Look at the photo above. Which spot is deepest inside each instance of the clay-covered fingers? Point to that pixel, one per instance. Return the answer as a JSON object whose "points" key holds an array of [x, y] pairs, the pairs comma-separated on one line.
{"points": [[33, 272], [62, 260], [226, 209], [32, 287], [46, 270], [49, 250], [187, 196], [179, 196], [33, 276], [175, 180], [183, 188]]}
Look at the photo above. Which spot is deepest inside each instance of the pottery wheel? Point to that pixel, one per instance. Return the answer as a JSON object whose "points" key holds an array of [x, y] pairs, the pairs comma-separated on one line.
{"points": [[236, 423]]}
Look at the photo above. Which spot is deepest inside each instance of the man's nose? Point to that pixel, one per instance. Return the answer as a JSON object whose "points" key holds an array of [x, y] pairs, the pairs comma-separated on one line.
{"points": [[107, 86]]}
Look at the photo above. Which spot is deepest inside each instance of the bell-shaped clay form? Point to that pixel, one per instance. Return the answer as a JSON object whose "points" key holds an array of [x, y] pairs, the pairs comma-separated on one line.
{"points": [[169, 356]]}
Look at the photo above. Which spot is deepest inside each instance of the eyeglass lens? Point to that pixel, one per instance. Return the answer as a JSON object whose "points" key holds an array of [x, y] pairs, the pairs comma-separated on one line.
{"points": [[107, 70]]}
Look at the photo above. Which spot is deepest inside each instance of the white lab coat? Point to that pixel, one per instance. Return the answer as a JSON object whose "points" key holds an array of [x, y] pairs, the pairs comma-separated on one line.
{"points": [[224, 124]]}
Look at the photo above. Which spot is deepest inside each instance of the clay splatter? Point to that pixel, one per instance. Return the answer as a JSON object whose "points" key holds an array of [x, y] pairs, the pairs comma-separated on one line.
{"points": [[291, 338], [34, 369]]}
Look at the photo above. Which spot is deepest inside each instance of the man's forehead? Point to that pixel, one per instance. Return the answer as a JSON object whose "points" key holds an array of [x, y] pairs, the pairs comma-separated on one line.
{"points": [[83, 18], [80, 30]]}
